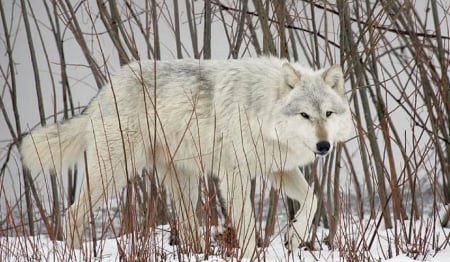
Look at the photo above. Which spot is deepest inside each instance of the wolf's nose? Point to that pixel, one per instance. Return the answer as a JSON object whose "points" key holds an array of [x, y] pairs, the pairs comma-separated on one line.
{"points": [[323, 147]]}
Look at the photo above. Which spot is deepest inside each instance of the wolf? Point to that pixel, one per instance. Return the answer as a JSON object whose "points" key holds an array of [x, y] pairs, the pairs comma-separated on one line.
{"points": [[235, 119]]}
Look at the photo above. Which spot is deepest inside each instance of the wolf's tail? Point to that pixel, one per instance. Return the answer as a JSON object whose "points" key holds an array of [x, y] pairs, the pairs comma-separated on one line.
{"points": [[54, 146]]}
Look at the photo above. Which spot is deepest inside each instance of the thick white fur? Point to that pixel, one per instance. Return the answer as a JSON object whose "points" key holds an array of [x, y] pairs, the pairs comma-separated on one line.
{"points": [[236, 119]]}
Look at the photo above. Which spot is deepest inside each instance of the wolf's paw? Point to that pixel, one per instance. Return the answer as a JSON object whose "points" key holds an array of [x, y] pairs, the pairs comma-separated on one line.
{"points": [[291, 238], [295, 236], [290, 241], [197, 246]]}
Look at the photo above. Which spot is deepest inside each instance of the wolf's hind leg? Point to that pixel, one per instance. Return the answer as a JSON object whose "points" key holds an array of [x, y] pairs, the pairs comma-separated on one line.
{"points": [[103, 180], [235, 190], [183, 186], [77, 218]]}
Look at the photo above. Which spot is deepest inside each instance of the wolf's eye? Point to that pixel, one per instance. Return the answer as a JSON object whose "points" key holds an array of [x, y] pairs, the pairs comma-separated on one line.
{"points": [[328, 113], [290, 86], [305, 115]]}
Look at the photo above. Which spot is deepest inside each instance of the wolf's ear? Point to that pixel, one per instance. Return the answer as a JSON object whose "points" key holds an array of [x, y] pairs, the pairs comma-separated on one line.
{"points": [[334, 77], [290, 74]]}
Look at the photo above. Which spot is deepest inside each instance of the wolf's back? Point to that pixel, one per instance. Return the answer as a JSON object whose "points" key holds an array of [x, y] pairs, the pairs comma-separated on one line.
{"points": [[54, 146]]}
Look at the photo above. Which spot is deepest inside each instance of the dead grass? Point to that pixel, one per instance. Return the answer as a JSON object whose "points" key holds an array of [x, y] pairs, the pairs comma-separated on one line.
{"points": [[392, 176]]}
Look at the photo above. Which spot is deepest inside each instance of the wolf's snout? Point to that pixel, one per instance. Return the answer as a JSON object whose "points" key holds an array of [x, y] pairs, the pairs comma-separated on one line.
{"points": [[323, 147]]}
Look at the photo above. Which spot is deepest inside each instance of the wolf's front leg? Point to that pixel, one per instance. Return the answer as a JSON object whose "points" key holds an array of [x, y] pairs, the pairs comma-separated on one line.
{"points": [[295, 186]]}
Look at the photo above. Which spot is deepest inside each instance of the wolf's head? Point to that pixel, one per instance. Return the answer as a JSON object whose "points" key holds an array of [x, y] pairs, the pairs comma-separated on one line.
{"points": [[312, 112]]}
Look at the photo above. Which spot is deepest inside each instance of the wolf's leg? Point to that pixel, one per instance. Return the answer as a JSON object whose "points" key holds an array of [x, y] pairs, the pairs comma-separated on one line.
{"points": [[235, 189], [77, 217], [183, 186], [106, 174], [294, 184]]}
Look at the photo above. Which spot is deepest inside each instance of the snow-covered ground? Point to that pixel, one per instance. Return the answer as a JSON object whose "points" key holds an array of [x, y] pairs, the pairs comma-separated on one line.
{"points": [[425, 245], [423, 240]]}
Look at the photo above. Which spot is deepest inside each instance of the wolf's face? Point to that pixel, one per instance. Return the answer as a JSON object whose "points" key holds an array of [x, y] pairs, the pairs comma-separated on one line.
{"points": [[312, 113]]}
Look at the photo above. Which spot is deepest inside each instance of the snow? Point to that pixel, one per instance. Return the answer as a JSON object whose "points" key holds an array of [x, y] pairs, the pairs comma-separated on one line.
{"points": [[428, 240], [157, 248]]}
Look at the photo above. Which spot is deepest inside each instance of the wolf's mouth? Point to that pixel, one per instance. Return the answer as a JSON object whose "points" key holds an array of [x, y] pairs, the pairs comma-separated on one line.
{"points": [[323, 147], [316, 153], [321, 152]]}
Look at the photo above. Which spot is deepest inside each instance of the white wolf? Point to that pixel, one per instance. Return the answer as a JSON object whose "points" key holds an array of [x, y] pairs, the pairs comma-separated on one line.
{"points": [[235, 119]]}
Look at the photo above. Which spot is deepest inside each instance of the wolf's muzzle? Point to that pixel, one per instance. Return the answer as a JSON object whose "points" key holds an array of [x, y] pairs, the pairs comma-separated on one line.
{"points": [[322, 147]]}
